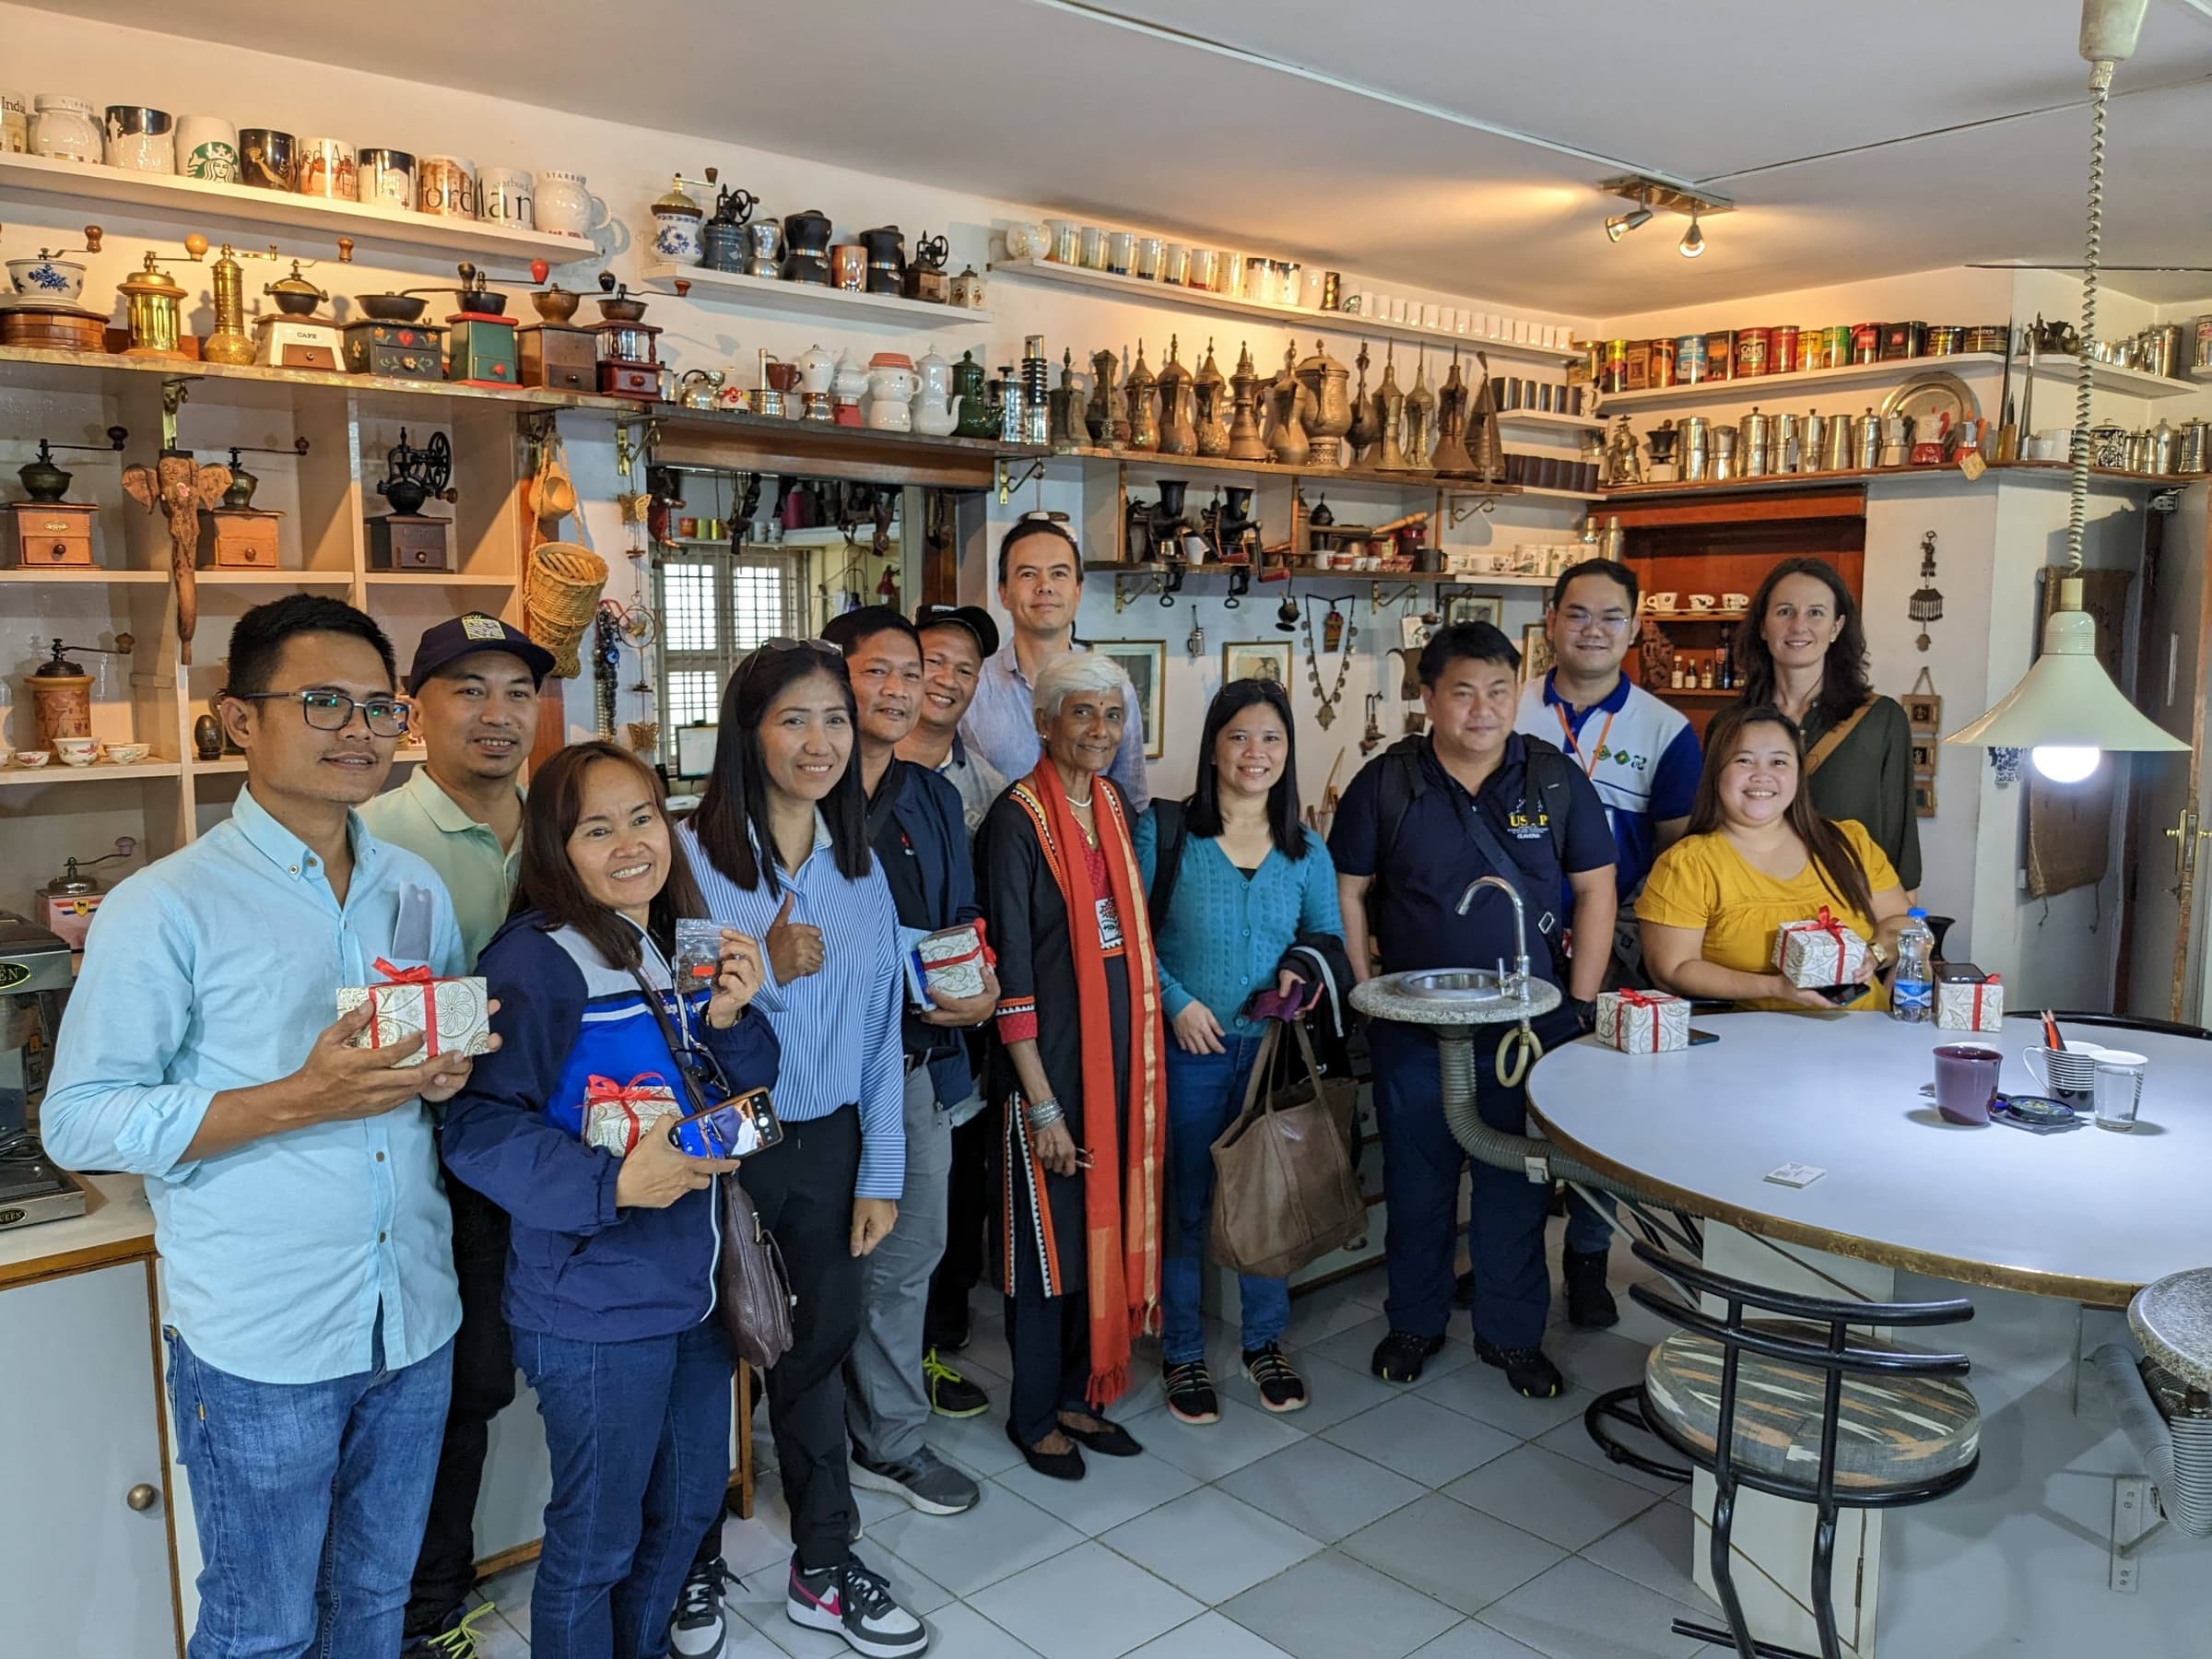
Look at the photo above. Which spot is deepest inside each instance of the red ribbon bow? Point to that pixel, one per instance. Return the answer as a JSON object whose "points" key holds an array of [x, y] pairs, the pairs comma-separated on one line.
{"points": [[425, 976], [1630, 997], [982, 948], [629, 1095], [1987, 981], [1825, 923]]}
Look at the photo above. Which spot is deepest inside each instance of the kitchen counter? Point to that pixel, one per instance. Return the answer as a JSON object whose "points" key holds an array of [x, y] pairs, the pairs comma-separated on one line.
{"points": [[117, 1225]]}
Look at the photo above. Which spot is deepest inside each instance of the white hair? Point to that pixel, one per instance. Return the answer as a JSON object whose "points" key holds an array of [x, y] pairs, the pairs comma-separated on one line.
{"points": [[1075, 671]]}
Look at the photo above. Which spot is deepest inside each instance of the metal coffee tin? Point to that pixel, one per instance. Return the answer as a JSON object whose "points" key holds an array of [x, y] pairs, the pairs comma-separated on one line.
{"points": [[1782, 349], [1812, 349], [1866, 342], [1613, 373], [1719, 355], [2200, 358], [1945, 339], [1752, 346], [2166, 355], [1689, 355], [1640, 365], [1988, 336], [1662, 363], [1903, 340]]}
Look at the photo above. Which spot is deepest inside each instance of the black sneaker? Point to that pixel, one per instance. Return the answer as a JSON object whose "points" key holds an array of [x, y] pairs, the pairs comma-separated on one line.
{"points": [[1281, 1388], [925, 1480], [951, 1394], [1400, 1356], [695, 1631], [1190, 1396], [853, 1602], [1590, 1305], [457, 1641], [1527, 1369]]}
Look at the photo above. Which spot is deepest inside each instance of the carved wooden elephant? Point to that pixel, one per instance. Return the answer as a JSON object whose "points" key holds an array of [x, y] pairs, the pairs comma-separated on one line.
{"points": [[180, 486]]}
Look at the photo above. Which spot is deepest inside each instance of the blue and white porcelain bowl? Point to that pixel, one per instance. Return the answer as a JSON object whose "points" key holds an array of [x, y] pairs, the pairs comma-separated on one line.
{"points": [[46, 279]]}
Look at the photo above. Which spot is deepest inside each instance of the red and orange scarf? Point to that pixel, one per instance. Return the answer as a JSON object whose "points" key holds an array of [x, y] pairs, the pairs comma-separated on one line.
{"points": [[1122, 1186]]}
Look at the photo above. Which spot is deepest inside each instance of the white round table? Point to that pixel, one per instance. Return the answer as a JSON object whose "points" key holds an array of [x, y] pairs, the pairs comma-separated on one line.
{"points": [[2089, 1215]]}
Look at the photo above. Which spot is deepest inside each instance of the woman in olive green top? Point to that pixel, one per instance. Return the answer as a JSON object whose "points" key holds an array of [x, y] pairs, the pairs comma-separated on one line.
{"points": [[1804, 650]]}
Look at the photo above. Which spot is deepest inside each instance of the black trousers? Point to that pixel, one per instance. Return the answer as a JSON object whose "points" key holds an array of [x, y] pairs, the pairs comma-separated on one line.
{"points": [[803, 1189], [1050, 1340], [968, 1232], [446, 1570]]}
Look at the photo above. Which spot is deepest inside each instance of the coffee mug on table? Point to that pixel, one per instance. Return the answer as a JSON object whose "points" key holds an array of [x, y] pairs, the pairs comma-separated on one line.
{"points": [[505, 193], [1965, 1081], [207, 148], [2118, 1087], [326, 167], [2067, 1073]]}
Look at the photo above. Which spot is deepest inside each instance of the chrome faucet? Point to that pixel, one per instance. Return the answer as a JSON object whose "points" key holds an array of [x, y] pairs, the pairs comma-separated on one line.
{"points": [[1517, 985]]}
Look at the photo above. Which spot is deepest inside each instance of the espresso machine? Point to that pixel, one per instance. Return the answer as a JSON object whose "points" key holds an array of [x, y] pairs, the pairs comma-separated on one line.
{"points": [[34, 982]]}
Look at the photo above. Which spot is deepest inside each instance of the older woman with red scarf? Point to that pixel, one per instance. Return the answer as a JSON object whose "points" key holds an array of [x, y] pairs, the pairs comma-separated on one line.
{"points": [[1081, 1068]]}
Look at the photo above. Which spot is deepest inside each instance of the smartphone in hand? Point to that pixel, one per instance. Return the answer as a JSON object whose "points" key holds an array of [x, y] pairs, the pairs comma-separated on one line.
{"points": [[736, 1128]]}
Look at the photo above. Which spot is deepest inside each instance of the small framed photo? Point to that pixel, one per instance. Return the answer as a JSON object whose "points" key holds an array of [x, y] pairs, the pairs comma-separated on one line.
{"points": [[1474, 607], [1145, 663], [1535, 653], [1923, 714], [1923, 757], [1257, 659], [1924, 796]]}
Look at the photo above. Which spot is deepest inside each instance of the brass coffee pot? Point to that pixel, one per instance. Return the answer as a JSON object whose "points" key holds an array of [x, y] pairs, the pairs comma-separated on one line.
{"points": [[1390, 406], [1178, 431], [1143, 427], [1244, 441], [1325, 379], [1361, 435], [1420, 405], [1210, 390], [1290, 404]]}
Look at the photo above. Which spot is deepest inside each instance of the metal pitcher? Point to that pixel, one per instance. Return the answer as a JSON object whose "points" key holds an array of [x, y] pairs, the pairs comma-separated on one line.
{"points": [[1840, 449], [1697, 448], [1812, 443], [1755, 445], [1788, 453], [2193, 447], [1723, 454]]}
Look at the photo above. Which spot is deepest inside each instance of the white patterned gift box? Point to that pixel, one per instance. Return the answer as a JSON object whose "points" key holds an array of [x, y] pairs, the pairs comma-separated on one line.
{"points": [[1973, 1005], [454, 1013], [1818, 951], [617, 1115], [952, 960], [1642, 1022]]}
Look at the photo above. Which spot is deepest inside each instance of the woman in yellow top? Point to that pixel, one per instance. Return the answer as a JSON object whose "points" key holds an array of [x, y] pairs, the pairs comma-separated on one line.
{"points": [[1757, 855]]}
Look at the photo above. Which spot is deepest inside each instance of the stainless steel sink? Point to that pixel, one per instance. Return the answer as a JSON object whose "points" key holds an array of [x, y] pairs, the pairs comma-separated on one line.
{"points": [[1450, 984], [1455, 996]]}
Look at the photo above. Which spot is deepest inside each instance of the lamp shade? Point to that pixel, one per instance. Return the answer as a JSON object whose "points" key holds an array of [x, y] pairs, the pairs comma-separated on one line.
{"points": [[2066, 701]]}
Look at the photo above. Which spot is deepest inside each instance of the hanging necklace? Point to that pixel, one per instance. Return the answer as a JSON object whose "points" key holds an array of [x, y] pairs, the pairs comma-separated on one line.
{"points": [[1329, 697]]}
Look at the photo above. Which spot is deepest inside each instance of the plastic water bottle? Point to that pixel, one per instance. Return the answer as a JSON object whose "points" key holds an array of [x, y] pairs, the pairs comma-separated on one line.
{"points": [[1912, 989]]}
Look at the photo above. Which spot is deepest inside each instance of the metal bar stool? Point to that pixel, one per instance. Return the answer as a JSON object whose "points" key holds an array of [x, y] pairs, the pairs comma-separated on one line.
{"points": [[1794, 1407]]}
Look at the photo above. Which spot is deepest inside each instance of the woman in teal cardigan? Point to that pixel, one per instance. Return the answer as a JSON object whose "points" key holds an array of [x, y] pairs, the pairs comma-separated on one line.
{"points": [[1251, 881]]}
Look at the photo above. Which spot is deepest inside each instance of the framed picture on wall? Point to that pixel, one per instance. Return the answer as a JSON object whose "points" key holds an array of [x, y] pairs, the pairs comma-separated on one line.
{"points": [[1924, 797], [1145, 663], [1257, 659], [1925, 712], [1535, 653], [1474, 607]]}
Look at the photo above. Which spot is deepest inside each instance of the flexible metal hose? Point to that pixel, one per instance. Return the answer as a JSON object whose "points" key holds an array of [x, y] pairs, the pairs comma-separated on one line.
{"points": [[2100, 88], [1538, 1159], [2176, 1452]]}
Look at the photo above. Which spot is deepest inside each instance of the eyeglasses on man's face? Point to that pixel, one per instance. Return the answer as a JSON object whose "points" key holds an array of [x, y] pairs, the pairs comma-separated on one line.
{"points": [[330, 711]]}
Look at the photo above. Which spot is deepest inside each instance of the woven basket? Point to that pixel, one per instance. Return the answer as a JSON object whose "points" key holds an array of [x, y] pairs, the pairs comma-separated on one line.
{"points": [[560, 596]]}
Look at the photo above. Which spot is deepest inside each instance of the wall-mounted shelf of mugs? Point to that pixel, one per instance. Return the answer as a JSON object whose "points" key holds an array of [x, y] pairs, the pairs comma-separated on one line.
{"points": [[2055, 472], [856, 308], [1295, 318], [2107, 377], [200, 203], [1542, 419]]}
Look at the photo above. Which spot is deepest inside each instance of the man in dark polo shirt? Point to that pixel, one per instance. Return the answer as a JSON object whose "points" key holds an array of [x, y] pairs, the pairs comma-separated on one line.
{"points": [[1417, 825]]}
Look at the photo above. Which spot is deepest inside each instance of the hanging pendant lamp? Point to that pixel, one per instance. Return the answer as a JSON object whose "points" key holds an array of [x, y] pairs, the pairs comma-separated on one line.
{"points": [[2066, 712]]}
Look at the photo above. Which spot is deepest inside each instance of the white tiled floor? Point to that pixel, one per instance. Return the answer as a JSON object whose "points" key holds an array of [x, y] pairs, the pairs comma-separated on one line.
{"points": [[1451, 1520]]}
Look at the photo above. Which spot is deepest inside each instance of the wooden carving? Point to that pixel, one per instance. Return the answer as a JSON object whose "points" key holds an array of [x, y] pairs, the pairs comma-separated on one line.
{"points": [[180, 486]]}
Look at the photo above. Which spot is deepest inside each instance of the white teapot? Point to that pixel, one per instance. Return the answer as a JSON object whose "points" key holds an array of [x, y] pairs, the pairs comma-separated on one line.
{"points": [[891, 382], [851, 383], [817, 370], [936, 410]]}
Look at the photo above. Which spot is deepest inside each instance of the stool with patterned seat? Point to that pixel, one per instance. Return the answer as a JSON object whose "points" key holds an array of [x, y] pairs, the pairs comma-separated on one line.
{"points": [[1796, 1405]]}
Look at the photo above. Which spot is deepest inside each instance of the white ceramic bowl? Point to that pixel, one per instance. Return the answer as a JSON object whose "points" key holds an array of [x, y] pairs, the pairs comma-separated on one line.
{"points": [[76, 751], [124, 754], [47, 279], [32, 757]]}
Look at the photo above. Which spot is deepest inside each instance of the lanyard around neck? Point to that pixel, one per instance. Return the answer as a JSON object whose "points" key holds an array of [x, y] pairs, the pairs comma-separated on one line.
{"points": [[1574, 745]]}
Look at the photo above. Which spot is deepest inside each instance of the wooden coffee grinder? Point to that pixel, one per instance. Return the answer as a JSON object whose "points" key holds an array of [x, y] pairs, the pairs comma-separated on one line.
{"points": [[630, 364], [406, 538], [238, 536], [479, 341], [43, 530], [48, 312], [556, 352]]}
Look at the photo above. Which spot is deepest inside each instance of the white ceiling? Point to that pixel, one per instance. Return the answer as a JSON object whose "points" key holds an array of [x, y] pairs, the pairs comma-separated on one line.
{"points": [[1436, 141]]}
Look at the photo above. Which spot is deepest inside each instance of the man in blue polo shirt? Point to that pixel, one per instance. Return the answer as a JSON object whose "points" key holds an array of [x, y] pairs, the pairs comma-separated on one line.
{"points": [[1643, 759], [1474, 798]]}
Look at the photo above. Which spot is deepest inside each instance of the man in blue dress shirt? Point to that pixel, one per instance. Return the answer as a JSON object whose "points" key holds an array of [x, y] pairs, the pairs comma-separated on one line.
{"points": [[294, 1182]]}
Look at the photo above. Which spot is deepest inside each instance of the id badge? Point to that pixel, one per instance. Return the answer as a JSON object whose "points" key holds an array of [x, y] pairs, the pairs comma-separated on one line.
{"points": [[1110, 925]]}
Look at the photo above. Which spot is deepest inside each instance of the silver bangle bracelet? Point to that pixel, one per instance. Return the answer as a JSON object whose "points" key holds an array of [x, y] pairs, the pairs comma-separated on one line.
{"points": [[1042, 1114]]}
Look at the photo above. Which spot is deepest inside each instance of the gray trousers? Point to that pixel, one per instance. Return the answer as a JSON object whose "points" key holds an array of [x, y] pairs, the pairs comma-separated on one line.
{"points": [[885, 1405]]}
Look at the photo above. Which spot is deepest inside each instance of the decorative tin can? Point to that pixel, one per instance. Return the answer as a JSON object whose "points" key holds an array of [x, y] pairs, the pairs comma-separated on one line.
{"points": [[1903, 340], [1719, 355], [1866, 342], [1812, 350], [1662, 363], [1988, 336], [1613, 375], [1945, 339], [1640, 366], [1690, 361], [1782, 349], [1835, 352], [1751, 348]]}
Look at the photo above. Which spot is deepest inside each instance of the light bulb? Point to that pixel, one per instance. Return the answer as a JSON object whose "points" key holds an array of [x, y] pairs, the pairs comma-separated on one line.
{"points": [[2065, 765], [1693, 240], [1618, 227]]}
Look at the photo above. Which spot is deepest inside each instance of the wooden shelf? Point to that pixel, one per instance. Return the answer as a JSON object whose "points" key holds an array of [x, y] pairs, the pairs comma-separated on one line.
{"points": [[1694, 616], [1295, 318], [1560, 495], [431, 579], [54, 772], [277, 578], [1795, 483], [98, 573], [1539, 420], [1895, 371], [855, 308], [200, 203], [1152, 461]]}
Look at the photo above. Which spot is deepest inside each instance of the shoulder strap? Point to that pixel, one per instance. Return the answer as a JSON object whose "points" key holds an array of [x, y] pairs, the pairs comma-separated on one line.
{"points": [[680, 1054], [1173, 829], [1402, 784], [1833, 740], [887, 799], [1547, 767]]}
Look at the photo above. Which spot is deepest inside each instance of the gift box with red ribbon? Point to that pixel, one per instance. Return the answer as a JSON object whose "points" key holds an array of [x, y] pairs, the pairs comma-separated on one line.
{"points": [[617, 1115], [1642, 1022], [453, 1014], [953, 960], [1970, 1006], [1818, 951]]}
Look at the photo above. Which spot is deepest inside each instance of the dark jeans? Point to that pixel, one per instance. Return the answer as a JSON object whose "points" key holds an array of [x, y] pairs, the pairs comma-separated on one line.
{"points": [[483, 1387], [1050, 1340], [639, 1433], [1420, 1182], [1206, 1092], [969, 1212]]}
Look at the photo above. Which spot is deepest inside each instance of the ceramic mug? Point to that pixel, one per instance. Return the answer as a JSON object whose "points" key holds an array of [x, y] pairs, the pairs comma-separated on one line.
{"points": [[207, 148], [1700, 602], [15, 123], [267, 158], [564, 205], [76, 751], [446, 185], [2067, 1073], [505, 193], [141, 140], [2117, 1088], [326, 167], [1966, 1082], [386, 178], [1661, 601], [124, 754]]}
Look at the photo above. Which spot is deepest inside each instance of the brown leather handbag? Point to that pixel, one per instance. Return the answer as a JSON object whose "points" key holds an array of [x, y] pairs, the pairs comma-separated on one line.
{"points": [[1285, 1192]]}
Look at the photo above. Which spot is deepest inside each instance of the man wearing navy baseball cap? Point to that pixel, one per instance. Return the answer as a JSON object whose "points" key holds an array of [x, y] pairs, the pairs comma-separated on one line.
{"points": [[474, 685]]}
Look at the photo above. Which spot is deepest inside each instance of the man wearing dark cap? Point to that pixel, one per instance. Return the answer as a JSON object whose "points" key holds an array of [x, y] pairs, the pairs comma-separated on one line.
{"points": [[956, 640], [474, 686]]}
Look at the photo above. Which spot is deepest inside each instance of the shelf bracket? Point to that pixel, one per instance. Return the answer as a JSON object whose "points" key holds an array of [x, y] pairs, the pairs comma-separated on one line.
{"points": [[1128, 590], [174, 394], [1008, 483], [1454, 512], [1379, 595]]}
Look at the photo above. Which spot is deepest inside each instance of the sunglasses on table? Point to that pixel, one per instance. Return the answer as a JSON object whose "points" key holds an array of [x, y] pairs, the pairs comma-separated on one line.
{"points": [[328, 710]]}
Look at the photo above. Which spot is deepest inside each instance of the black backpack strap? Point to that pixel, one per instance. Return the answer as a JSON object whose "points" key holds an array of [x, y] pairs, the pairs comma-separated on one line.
{"points": [[1172, 827], [1402, 785], [887, 799], [1548, 771]]}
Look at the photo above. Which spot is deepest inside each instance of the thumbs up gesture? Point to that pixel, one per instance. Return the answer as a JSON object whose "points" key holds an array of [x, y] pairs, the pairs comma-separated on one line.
{"points": [[794, 948]]}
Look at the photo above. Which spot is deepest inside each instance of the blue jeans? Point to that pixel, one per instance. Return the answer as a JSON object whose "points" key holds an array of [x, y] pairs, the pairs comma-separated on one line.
{"points": [[1205, 1092], [1588, 1231], [310, 1500], [640, 1438]]}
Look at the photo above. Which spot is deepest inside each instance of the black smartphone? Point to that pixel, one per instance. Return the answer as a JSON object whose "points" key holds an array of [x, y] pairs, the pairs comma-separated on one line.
{"points": [[1958, 973], [1841, 995], [1699, 1039]]}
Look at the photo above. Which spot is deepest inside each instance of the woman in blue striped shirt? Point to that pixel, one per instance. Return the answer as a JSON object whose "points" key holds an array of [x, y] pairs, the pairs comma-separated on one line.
{"points": [[780, 847], [1251, 881]]}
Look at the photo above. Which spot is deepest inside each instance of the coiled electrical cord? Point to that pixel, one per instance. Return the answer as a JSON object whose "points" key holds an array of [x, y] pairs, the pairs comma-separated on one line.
{"points": [[2100, 89]]}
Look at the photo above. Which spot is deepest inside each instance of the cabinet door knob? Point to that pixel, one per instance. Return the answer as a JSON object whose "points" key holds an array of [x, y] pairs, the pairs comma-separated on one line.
{"points": [[142, 1497]]}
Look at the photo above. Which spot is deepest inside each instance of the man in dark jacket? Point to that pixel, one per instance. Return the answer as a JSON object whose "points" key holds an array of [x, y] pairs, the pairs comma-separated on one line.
{"points": [[920, 839]]}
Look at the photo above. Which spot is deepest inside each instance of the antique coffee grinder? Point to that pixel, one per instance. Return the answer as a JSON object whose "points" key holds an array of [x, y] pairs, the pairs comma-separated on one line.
{"points": [[722, 236], [1159, 530], [238, 536], [45, 531], [406, 538], [153, 310], [480, 339], [294, 335], [230, 342], [66, 903], [1230, 530], [555, 351], [61, 691], [926, 277], [630, 364], [45, 311]]}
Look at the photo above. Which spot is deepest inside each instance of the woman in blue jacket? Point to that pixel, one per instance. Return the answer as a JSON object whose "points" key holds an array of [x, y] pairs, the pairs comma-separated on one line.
{"points": [[1250, 881], [610, 1273]]}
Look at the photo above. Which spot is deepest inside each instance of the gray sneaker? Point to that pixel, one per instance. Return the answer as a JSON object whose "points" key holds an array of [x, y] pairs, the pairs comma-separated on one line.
{"points": [[925, 1480]]}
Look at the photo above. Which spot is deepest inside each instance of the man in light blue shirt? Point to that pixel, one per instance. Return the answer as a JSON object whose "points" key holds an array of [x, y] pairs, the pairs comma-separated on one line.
{"points": [[1039, 581], [293, 1177]]}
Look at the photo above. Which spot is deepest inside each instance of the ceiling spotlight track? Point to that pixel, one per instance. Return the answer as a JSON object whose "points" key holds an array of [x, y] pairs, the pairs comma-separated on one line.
{"points": [[1693, 240], [1622, 224], [1651, 194]]}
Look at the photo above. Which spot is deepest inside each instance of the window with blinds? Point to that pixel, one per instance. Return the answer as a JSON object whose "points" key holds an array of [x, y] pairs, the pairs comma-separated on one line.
{"points": [[714, 608]]}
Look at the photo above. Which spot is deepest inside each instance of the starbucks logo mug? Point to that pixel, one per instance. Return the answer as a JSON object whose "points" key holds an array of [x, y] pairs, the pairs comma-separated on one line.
{"points": [[207, 148]]}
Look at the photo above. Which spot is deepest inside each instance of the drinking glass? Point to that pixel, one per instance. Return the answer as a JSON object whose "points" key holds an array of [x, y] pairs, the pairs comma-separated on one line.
{"points": [[2118, 1089]]}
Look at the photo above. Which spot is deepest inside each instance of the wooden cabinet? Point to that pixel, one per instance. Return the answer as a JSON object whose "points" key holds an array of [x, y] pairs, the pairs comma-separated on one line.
{"points": [[86, 1562]]}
